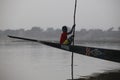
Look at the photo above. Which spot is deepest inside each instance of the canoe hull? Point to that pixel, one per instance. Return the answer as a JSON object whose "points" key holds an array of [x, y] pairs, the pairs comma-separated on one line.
{"points": [[106, 54]]}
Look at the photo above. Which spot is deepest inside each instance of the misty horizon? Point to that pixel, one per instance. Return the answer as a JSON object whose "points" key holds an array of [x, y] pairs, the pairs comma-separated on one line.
{"points": [[109, 35], [44, 29]]}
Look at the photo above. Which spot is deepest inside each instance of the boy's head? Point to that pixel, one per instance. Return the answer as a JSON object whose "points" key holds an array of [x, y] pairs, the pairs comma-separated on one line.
{"points": [[64, 28]]}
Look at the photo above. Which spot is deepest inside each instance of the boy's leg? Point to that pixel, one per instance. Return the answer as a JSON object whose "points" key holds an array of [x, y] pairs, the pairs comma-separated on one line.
{"points": [[70, 39], [66, 42]]}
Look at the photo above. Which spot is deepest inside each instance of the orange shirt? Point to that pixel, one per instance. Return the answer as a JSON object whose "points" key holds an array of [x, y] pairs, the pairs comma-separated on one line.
{"points": [[63, 37]]}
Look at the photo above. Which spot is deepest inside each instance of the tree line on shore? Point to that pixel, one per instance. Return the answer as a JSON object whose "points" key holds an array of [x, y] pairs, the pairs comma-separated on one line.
{"points": [[54, 34]]}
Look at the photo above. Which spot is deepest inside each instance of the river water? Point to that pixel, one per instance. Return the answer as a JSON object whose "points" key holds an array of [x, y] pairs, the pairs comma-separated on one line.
{"points": [[32, 61]]}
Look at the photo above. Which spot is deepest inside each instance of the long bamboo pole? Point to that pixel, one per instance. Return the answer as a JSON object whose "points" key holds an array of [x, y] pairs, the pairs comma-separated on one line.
{"points": [[72, 57]]}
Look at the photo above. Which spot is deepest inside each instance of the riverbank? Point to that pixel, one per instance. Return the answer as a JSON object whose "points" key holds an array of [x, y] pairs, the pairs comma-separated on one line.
{"points": [[111, 75]]}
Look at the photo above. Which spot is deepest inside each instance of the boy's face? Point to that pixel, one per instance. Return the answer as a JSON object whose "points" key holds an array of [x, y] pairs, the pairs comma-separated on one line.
{"points": [[64, 29]]}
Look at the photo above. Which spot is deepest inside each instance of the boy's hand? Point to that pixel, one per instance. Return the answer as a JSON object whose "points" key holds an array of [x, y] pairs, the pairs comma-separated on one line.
{"points": [[74, 25]]}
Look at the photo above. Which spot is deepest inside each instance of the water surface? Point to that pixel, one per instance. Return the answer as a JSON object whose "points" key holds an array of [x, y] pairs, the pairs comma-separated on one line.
{"points": [[31, 61]]}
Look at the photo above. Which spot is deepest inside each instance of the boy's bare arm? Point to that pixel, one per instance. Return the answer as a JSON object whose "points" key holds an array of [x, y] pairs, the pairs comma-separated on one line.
{"points": [[71, 30]]}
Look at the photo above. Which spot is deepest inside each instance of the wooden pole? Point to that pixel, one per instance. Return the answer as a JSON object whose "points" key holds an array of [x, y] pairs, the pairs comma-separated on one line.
{"points": [[72, 57]]}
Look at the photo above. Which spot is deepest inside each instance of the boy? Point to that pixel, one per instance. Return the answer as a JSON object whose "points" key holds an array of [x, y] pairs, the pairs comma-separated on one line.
{"points": [[63, 38]]}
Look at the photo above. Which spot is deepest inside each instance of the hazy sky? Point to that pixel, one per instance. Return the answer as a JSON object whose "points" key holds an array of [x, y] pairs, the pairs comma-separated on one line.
{"points": [[15, 14]]}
